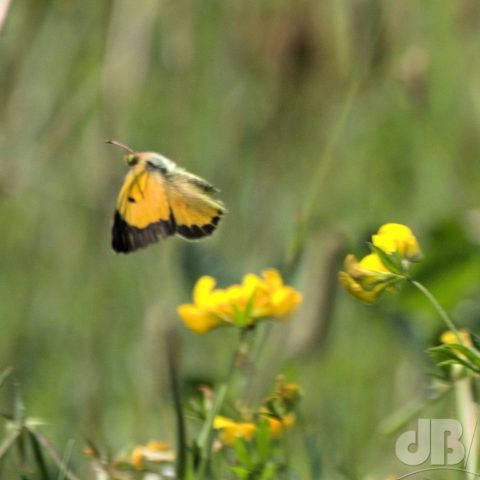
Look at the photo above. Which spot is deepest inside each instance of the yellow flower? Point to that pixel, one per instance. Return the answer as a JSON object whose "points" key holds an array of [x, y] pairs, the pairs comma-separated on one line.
{"points": [[153, 452], [284, 300], [397, 238], [366, 279], [449, 337], [277, 425], [369, 271], [289, 392], [240, 305], [137, 458], [199, 317], [230, 430]]}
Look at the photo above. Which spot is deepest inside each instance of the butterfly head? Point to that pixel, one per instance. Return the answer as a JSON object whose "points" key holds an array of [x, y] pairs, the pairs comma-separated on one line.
{"points": [[131, 158]]}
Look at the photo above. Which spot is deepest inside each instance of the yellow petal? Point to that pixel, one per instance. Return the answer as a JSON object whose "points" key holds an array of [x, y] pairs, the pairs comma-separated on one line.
{"points": [[288, 420], [355, 289], [289, 391], [137, 458], [368, 272], [156, 446], [450, 337], [395, 237], [232, 430], [372, 262], [250, 284], [276, 426], [273, 278], [222, 422], [203, 289], [285, 301], [197, 319], [235, 294]]}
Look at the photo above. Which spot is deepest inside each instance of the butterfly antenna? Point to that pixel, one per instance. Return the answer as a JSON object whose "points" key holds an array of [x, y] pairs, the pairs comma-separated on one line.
{"points": [[121, 145]]}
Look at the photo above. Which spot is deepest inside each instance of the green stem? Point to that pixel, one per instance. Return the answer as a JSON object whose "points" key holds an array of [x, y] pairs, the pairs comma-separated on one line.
{"points": [[205, 438], [181, 461], [467, 412], [443, 314]]}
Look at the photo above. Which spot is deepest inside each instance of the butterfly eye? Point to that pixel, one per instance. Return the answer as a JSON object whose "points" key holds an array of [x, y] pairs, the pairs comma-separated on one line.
{"points": [[131, 159]]}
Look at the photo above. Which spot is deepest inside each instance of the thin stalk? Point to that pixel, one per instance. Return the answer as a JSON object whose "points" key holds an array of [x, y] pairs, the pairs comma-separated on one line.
{"points": [[205, 438], [181, 461], [443, 314], [38, 455], [66, 460], [45, 443]]}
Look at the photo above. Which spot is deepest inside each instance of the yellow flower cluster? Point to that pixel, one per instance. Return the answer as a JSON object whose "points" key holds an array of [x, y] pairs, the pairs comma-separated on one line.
{"points": [[394, 247], [277, 411], [240, 305], [230, 429]]}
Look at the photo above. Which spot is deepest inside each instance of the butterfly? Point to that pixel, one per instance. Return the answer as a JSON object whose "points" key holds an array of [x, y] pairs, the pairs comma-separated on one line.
{"points": [[159, 199]]}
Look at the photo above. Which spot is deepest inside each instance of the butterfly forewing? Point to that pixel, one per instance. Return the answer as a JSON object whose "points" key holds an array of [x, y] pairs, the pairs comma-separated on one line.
{"points": [[143, 212]]}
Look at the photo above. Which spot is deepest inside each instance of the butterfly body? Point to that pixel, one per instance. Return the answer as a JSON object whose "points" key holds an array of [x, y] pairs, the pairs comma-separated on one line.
{"points": [[159, 199]]}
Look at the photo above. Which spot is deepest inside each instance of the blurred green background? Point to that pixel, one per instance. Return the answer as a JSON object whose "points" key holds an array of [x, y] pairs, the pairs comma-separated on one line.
{"points": [[318, 120]]}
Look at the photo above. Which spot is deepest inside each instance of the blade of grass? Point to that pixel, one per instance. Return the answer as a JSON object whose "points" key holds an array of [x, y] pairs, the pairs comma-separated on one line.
{"points": [[177, 401], [38, 456], [8, 443], [66, 459], [18, 407], [45, 443], [327, 158], [4, 375]]}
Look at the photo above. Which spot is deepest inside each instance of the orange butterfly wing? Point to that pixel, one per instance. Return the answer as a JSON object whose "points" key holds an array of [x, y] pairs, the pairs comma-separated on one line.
{"points": [[196, 214], [143, 213]]}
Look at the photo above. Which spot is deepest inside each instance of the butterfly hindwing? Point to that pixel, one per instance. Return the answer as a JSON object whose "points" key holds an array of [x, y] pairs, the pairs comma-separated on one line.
{"points": [[143, 213], [195, 213]]}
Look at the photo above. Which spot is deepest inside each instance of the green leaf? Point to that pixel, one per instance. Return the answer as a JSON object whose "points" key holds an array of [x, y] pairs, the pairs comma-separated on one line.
{"points": [[392, 261], [242, 453], [243, 318], [454, 353], [268, 471], [475, 340], [263, 440], [241, 472]]}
